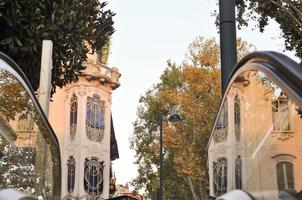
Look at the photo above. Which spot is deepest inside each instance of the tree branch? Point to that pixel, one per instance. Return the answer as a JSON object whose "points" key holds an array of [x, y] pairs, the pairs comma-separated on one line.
{"points": [[289, 13], [296, 10]]}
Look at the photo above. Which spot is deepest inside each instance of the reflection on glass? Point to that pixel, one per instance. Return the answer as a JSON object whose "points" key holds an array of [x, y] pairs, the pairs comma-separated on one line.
{"points": [[221, 127], [264, 157], [29, 161]]}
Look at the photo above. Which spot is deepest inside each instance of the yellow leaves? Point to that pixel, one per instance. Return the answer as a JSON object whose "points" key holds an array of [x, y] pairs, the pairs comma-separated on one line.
{"points": [[204, 53]]}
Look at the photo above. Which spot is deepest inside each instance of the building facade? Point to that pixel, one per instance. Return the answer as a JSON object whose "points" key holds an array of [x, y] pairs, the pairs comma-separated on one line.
{"points": [[256, 141], [80, 114]]}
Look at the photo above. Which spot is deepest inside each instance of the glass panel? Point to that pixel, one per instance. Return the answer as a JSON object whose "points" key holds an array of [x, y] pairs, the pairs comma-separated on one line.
{"points": [[95, 118], [71, 174], [238, 173], [220, 176], [221, 128], [237, 116], [280, 176], [29, 160], [270, 139], [290, 176], [93, 178]]}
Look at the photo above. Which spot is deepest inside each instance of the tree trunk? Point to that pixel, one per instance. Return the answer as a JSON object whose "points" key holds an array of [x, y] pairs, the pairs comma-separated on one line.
{"points": [[195, 197]]}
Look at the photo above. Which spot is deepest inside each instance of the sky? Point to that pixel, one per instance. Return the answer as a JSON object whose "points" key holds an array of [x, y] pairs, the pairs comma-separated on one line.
{"points": [[148, 33]]}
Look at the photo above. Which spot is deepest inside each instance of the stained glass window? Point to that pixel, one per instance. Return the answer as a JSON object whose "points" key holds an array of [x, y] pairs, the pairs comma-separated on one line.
{"points": [[221, 128], [220, 177], [95, 118], [93, 178], [285, 176], [71, 174], [238, 172], [73, 116], [237, 116]]}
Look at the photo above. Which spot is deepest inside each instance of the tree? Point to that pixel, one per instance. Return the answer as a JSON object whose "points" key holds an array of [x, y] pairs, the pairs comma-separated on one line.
{"points": [[287, 13], [193, 90], [75, 27]]}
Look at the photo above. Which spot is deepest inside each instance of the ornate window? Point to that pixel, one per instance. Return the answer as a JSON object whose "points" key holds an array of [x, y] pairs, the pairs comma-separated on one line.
{"points": [[237, 117], [73, 116], [221, 128], [220, 176], [95, 118], [71, 174], [280, 113], [238, 173], [93, 178], [285, 176]]}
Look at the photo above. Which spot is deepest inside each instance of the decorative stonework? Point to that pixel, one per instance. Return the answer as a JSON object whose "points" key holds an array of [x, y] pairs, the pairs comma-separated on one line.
{"points": [[71, 166], [95, 118], [237, 116], [220, 176], [282, 135], [220, 135], [73, 116]]}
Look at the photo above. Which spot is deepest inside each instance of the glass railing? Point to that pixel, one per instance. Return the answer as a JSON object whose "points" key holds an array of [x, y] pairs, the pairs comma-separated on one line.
{"points": [[29, 151]]}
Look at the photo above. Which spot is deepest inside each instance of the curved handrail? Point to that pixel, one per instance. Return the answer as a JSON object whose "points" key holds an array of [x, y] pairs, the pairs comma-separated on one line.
{"points": [[283, 68], [18, 73], [26, 84]]}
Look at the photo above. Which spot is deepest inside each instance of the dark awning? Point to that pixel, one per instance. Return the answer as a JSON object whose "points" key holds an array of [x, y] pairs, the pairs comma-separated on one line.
{"points": [[113, 144]]}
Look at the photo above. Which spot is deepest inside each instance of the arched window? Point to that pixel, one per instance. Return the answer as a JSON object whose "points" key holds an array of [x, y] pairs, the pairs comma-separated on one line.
{"points": [[70, 174], [280, 113], [220, 176], [221, 128], [73, 116], [285, 176], [238, 173], [93, 177], [237, 117], [95, 118]]}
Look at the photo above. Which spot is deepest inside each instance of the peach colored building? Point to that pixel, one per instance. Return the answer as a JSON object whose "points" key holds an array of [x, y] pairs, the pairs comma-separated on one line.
{"points": [[80, 115]]}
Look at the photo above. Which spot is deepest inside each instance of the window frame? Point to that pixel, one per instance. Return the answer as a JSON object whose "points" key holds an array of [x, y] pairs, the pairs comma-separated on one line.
{"points": [[220, 181], [284, 175]]}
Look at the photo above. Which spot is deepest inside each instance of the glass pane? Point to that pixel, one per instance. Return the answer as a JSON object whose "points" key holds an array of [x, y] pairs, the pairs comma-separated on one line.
{"points": [[95, 118], [268, 142], [221, 128], [29, 160]]}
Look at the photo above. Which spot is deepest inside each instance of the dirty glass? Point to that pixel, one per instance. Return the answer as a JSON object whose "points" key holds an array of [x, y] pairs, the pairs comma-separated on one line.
{"points": [[270, 142], [29, 159]]}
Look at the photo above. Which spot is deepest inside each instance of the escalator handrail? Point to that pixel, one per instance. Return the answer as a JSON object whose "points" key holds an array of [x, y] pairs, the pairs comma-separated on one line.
{"points": [[283, 68], [25, 83]]}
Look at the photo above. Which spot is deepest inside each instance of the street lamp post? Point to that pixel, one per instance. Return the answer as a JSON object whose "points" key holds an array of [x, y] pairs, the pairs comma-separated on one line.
{"points": [[175, 117]]}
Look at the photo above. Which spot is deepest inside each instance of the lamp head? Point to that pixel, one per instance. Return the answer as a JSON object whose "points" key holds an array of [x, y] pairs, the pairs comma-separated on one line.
{"points": [[175, 117]]}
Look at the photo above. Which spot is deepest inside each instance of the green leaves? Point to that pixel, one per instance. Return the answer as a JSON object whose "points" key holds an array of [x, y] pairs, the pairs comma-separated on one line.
{"points": [[74, 26], [287, 13]]}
